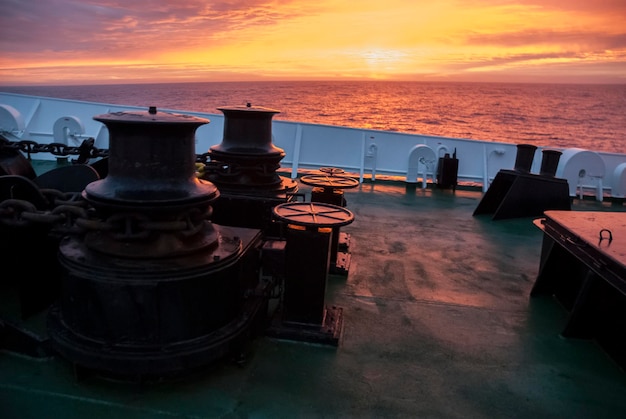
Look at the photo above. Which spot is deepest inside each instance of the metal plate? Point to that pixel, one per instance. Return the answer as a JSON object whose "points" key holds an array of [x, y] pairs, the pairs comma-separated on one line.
{"points": [[151, 116], [330, 181], [313, 214], [595, 238], [591, 229]]}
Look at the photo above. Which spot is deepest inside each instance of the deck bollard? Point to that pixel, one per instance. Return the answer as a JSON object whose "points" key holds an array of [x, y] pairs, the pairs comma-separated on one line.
{"points": [[524, 157], [549, 162], [519, 193]]}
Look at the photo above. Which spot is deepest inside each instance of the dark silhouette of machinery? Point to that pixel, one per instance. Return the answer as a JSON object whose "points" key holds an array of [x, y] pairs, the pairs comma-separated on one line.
{"points": [[166, 269]]}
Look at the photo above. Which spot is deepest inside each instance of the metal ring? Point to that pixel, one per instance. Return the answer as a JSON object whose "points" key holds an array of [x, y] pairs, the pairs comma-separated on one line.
{"points": [[607, 231]]}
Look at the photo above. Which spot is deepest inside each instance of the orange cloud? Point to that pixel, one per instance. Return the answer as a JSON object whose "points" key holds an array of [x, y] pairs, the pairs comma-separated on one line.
{"points": [[197, 40]]}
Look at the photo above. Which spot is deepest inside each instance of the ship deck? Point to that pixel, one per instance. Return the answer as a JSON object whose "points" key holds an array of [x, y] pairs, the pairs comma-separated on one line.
{"points": [[438, 322]]}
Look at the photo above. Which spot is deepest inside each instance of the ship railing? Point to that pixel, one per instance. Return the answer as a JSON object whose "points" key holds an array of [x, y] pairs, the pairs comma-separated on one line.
{"points": [[363, 152]]}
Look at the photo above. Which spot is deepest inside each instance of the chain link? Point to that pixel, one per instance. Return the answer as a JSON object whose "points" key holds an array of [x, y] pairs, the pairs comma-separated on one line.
{"points": [[56, 197], [12, 212], [61, 218], [69, 212], [74, 217], [86, 150], [203, 158]]}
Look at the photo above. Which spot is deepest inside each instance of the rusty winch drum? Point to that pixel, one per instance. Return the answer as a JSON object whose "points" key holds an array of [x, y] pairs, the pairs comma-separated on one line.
{"points": [[155, 288]]}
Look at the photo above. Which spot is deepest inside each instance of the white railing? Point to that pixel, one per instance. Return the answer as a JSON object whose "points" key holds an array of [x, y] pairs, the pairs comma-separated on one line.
{"points": [[367, 153]]}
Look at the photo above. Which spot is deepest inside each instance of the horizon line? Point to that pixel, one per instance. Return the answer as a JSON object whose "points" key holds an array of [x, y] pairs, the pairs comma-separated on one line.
{"points": [[316, 80]]}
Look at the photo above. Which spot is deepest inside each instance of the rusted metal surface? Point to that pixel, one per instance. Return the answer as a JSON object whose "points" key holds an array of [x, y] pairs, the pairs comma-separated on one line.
{"points": [[151, 162], [598, 238], [583, 265], [246, 153], [244, 168], [313, 215], [153, 288]]}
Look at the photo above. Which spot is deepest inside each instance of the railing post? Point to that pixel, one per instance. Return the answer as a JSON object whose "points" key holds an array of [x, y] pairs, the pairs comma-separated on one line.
{"points": [[362, 168], [296, 152]]}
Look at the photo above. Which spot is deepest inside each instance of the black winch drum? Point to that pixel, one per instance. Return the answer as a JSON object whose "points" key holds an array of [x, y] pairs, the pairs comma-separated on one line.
{"points": [[161, 291]]}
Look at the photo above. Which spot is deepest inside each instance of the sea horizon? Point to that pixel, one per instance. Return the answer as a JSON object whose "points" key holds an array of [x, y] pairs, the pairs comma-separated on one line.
{"points": [[559, 115], [323, 80]]}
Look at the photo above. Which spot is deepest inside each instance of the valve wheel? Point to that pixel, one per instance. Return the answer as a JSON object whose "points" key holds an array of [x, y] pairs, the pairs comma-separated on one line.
{"points": [[313, 214], [332, 170], [330, 181]]}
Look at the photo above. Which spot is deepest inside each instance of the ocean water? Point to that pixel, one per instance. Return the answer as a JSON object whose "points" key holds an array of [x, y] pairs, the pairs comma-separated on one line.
{"points": [[547, 115]]}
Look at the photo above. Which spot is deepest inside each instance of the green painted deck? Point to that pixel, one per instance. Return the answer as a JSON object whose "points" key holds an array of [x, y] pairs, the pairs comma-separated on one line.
{"points": [[438, 323]]}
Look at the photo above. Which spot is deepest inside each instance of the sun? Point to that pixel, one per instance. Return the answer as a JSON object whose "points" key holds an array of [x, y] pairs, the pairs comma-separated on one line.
{"points": [[383, 59]]}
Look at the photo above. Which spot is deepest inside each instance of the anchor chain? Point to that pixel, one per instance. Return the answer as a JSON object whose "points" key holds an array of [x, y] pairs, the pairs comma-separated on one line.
{"points": [[85, 151], [60, 213], [70, 214], [136, 226]]}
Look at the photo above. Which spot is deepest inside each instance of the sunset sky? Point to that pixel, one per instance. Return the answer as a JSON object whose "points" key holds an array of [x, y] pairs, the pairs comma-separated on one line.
{"points": [[130, 41]]}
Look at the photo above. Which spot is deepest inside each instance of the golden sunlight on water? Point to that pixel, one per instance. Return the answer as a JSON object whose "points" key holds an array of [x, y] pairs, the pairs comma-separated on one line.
{"points": [[547, 115]]}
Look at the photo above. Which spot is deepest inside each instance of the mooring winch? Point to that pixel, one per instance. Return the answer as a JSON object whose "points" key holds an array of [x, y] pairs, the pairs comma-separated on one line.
{"points": [[151, 284], [244, 168], [154, 287]]}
